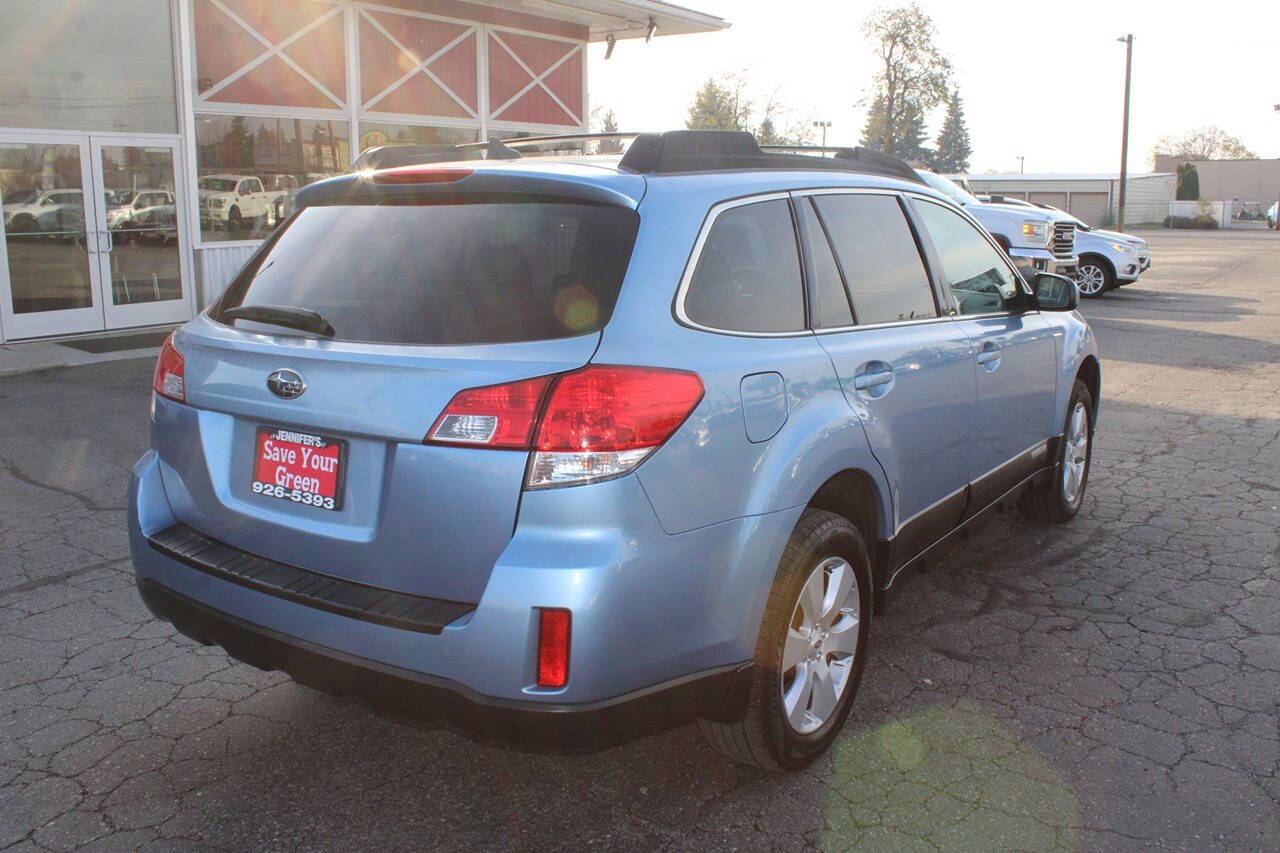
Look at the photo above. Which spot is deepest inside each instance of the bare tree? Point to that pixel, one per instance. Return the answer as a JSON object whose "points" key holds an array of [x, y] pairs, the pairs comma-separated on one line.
{"points": [[914, 76], [1203, 143]]}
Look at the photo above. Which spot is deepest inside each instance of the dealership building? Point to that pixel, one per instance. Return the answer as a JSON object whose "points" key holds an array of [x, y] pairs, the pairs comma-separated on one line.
{"points": [[147, 147]]}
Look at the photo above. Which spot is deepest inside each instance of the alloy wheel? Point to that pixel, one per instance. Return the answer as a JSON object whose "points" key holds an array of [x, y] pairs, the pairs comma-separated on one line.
{"points": [[1091, 279], [1075, 453], [821, 644]]}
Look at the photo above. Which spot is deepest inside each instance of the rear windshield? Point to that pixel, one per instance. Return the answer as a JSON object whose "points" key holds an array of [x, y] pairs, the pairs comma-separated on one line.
{"points": [[445, 274]]}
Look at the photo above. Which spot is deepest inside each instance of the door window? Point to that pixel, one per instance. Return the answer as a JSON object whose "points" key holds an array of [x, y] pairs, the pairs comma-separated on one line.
{"points": [[748, 275], [830, 309], [879, 258], [979, 278]]}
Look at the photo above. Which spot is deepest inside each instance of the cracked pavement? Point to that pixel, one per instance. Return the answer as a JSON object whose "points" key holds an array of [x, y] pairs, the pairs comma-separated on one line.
{"points": [[1112, 684]]}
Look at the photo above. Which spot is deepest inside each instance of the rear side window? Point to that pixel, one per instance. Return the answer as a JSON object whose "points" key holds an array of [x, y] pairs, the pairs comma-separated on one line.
{"points": [[748, 275], [879, 258], [448, 273], [979, 278]]}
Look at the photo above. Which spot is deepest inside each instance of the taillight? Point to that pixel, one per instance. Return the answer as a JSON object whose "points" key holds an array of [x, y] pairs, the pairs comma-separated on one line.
{"points": [[596, 423], [553, 648], [500, 416], [602, 421], [170, 377]]}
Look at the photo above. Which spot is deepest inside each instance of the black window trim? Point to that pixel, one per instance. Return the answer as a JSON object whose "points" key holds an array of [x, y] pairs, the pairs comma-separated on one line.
{"points": [[810, 212], [1028, 307], [691, 267]]}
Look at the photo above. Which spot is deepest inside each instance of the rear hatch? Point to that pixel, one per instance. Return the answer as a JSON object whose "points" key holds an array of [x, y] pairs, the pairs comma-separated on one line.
{"points": [[310, 445]]}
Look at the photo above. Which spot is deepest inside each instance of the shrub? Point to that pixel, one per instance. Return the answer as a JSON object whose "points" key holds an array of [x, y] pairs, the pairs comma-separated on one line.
{"points": [[1202, 223]]}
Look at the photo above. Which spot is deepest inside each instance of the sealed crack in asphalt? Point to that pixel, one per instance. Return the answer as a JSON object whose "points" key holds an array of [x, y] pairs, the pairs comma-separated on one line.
{"points": [[1110, 684]]}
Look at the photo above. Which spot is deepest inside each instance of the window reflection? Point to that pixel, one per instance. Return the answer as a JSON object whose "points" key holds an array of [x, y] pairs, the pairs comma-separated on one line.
{"points": [[251, 167]]}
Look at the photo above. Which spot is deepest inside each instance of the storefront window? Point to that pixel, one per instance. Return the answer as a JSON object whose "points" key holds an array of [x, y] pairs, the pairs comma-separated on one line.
{"points": [[374, 134], [87, 65], [250, 169]]}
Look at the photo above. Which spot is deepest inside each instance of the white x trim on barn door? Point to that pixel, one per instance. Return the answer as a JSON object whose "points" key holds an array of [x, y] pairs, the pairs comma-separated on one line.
{"points": [[536, 79], [421, 64], [273, 50]]}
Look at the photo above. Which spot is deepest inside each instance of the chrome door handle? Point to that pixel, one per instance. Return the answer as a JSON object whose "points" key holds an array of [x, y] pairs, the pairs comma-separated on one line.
{"points": [[863, 381], [989, 355]]}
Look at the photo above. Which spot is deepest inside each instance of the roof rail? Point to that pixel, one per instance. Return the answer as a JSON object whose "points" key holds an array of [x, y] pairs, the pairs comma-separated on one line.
{"points": [[726, 150], [515, 142]]}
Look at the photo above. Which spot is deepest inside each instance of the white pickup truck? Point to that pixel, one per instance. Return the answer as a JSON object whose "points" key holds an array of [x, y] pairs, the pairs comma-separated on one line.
{"points": [[229, 201], [1036, 241]]}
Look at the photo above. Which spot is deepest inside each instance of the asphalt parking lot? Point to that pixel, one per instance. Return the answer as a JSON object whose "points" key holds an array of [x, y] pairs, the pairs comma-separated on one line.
{"points": [[1113, 684]]}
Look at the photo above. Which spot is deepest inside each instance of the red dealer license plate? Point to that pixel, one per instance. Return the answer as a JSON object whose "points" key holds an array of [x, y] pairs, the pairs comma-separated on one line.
{"points": [[299, 467]]}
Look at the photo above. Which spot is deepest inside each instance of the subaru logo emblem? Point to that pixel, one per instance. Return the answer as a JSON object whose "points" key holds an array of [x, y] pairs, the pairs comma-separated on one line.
{"points": [[286, 383]]}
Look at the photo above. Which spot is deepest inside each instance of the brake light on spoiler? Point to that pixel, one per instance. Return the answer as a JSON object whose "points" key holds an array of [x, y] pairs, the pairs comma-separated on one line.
{"points": [[584, 426]]}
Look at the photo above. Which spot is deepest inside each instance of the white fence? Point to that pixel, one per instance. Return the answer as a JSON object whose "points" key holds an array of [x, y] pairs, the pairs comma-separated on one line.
{"points": [[1219, 210]]}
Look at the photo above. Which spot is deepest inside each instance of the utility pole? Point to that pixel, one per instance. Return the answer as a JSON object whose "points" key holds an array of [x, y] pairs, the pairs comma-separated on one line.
{"points": [[1124, 134], [824, 125]]}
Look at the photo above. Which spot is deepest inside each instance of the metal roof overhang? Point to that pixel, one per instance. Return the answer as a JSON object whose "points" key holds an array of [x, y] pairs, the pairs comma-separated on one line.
{"points": [[623, 19]]}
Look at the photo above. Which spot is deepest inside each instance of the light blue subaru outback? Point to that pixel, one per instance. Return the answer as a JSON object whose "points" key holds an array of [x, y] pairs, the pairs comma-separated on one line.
{"points": [[575, 448]]}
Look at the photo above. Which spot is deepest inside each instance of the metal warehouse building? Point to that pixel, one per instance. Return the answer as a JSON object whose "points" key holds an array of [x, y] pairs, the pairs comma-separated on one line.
{"points": [[1092, 198], [147, 147]]}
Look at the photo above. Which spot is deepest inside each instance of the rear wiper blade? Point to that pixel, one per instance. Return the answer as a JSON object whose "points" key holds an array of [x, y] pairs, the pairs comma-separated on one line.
{"points": [[303, 319]]}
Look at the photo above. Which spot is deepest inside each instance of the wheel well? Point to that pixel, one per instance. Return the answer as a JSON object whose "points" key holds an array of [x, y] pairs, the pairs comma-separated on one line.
{"points": [[1091, 375], [1102, 258], [852, 494]]}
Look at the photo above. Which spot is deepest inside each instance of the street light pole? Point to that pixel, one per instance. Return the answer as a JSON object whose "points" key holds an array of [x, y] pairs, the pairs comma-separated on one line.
{"points": [[1022, 165], [824, 125], [1124, 135]]}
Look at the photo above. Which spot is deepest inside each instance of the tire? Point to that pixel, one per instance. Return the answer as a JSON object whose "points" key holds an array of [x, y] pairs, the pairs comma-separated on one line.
{"points": [[234, 219], [1059, 502], [827, 550], [24, 225], [1094, 277]]}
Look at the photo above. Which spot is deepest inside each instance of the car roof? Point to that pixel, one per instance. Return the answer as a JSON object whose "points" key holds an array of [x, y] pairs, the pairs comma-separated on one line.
{"points": [[604, 178]]}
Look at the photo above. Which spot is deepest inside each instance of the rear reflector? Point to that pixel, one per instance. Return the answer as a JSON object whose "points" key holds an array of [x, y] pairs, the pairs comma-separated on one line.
{"points": [[170, 376], [553, 648], [420, 175]]}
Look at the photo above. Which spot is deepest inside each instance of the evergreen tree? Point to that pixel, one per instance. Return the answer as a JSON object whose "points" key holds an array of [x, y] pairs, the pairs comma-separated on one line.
{"points": [[953, 140], [908, 134]]}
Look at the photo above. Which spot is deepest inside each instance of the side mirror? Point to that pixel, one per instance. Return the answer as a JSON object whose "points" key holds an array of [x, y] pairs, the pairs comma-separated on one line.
{"points": [[1056, 292]]}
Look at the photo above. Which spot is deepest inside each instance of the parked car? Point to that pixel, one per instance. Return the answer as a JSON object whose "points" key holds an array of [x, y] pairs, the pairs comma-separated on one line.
{"points": [[127, 216], [1039, 242], [283, 188], [599, 446], [1108, 259], [56, 212], [227, 201]]}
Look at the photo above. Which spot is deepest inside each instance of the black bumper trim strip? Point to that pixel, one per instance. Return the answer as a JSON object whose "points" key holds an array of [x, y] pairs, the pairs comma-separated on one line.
{"points": [[346, 598]]}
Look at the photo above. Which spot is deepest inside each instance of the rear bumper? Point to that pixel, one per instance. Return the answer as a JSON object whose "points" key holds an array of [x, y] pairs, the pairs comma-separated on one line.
{"points": [[654, 615], [718, 693]]}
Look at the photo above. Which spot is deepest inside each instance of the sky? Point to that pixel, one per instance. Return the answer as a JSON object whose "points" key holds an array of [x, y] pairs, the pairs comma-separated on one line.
{"points": [[1040, 80]]}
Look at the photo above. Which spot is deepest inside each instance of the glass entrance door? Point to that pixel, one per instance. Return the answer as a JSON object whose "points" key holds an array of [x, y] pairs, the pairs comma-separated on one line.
{"points": [[141, 237], [49, 267], [93, 238]]}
